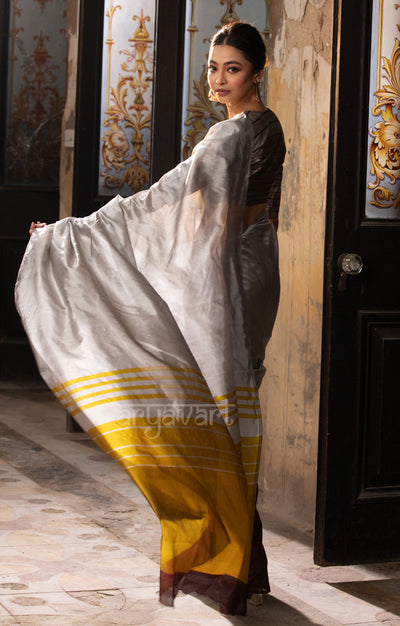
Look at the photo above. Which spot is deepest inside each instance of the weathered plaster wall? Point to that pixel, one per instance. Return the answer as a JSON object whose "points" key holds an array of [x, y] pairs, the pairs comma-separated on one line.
{"points": [[68, 123], [299, 92]]}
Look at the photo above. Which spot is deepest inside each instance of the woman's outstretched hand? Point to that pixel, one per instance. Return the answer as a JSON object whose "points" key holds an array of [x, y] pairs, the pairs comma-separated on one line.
{"points": [[36, 225]]}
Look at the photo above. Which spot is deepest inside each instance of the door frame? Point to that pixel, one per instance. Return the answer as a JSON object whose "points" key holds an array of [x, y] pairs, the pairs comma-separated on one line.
{"points": [[167, 98]]}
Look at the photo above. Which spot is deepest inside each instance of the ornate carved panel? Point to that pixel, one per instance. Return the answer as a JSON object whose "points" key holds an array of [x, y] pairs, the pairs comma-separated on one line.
{"points": [[380, 338]]}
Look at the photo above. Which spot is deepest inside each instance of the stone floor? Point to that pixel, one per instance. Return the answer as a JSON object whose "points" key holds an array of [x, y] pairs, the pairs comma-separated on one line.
{"points": [[79, 544]]}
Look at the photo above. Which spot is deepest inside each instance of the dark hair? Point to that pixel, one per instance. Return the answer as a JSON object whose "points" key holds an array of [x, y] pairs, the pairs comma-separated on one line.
{"points": [[245, 38]]}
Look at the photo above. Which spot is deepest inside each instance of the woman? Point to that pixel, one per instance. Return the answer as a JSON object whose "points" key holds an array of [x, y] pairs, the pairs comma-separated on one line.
{"points": [[149, 321]]}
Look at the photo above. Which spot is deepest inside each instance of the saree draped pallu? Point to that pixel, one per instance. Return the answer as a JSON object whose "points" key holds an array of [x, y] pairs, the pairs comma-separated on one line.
{"points": [[138, 316]]}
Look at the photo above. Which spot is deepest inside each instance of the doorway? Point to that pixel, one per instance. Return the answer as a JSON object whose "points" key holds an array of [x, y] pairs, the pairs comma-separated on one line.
{"points": [[358, 501]]}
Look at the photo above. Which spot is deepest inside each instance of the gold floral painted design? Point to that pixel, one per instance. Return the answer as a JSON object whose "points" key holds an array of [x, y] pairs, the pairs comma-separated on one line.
{"points": [[199, 113], [125, 154], [42, 4], [34, 124], [230, 13], [384, 150]]}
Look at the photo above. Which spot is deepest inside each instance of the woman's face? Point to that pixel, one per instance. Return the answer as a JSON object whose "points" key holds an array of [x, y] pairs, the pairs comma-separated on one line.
{"points": [[231, 77]]}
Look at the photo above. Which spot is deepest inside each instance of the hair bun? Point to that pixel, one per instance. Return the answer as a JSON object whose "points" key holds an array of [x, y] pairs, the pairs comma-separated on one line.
{"points": [[245, 38]]}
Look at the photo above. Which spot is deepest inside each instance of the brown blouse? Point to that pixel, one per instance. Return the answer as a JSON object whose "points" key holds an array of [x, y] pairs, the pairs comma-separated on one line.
{"points": [[266, 162]]}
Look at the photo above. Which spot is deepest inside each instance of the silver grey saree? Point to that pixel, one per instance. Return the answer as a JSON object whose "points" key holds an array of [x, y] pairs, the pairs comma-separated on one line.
{"points": [[144, 319]]}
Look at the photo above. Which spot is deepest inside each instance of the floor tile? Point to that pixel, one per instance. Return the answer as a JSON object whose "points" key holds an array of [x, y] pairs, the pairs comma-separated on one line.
{"points": [[80, 545]]}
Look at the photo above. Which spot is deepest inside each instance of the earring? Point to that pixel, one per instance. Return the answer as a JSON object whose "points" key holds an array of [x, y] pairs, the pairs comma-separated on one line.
{"points": [[211, 96], [257, 90]]}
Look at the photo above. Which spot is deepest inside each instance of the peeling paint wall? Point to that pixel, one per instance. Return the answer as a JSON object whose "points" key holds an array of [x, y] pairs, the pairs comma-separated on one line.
{"points": [[68, 123], [299, 92]]}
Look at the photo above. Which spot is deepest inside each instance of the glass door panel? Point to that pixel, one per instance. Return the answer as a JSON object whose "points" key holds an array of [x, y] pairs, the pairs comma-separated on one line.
{"points": [[126, 97], [382, 199], [36, 80]]}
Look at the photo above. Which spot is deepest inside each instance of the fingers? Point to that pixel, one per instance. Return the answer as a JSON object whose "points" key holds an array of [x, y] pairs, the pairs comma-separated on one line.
{"points": [[35, 225]]}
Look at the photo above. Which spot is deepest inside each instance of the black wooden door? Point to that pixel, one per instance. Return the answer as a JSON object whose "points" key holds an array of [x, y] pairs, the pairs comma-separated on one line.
{"points": [[358, 502], [30, 126]]}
